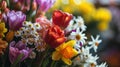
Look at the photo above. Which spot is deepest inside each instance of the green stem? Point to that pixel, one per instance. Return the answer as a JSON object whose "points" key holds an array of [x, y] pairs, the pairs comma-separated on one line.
{"points": [[44, 57], [53, 62], [41, 61], [8, 3], [3, 61]]}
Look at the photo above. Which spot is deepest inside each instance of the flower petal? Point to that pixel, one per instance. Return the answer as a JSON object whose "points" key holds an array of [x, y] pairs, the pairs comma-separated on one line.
{"points": [[71, 43], [56, 55], [67, 61]]}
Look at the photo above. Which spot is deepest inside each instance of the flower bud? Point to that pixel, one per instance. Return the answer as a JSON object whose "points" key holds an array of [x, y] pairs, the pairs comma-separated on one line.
{"points": [[3, 5], [34, 6]]}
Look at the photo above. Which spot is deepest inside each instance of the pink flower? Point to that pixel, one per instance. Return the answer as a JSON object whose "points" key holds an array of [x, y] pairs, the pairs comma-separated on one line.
{"points": [[44, 5], [16, 49]]}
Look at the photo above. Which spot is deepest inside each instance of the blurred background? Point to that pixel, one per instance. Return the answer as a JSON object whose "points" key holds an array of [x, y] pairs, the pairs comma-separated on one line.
{"points": [[101, 17]]}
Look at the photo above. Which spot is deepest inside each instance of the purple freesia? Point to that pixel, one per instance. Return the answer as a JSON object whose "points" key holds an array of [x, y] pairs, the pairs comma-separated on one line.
{"points": [[44, 5], [15, 19], [16, 49]]}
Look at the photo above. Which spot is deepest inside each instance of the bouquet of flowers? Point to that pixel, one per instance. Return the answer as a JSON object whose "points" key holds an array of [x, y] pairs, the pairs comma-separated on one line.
{"points": [[95, 16], [29, 39]]}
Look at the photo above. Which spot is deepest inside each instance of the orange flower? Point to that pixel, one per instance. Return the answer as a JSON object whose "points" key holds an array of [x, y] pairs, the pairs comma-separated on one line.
{"points": [[54, 36], [61, 19], [65, 52], [3, 46]]}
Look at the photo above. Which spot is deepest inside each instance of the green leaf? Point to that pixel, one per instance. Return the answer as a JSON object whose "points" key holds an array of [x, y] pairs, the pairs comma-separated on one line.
{"points": [[8, 3]]}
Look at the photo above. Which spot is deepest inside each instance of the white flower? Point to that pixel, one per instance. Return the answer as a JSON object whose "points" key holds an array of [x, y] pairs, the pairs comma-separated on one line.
{"points": [[95, 42], [40, 47], [80, 23], [32, 55], [22, 29], [92, 59], [70, 26], [84, 54], [78, 36], [37, 26], [18, 33], [32, 29], [77, 47], [29, 25], [102, 65], [85, 50], [25, 23]]}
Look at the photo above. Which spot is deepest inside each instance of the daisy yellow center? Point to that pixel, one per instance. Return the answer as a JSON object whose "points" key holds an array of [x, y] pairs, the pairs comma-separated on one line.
{"points": [[96, 43], [25, 23], [17, 33], [92, 65], [37, 25], [39, 47], [78, 37], [30, 25], [32, 29], [80, 23], [67, 52]]}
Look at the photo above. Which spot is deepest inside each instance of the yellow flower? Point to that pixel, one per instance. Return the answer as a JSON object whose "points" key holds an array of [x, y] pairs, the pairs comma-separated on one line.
{"points": [[65, 52], [86, 8], [67, 9], [102, 26], [2, 29], [103, 14]]}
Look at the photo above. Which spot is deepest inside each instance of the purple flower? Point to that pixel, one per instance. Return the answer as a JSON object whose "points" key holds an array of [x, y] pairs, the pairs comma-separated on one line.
{"points": [[16, 49], [22, 1], [44, 5], [15, 19]]}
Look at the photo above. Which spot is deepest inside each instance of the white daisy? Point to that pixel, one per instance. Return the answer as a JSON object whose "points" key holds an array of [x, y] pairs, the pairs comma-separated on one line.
{"points": [[29, 25], [78, 36], [85, 50], [92, 59], [77, 47], [80, 23], [25, 23], [37, 26], [102, 65], [40, 48], [95, 42], [84, 54], [18, 33], [70, 26], [32, 55], [89, 61]]}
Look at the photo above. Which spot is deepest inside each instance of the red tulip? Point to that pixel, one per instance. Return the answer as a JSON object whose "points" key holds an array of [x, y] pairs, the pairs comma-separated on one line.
{"points": [[61, 19]]}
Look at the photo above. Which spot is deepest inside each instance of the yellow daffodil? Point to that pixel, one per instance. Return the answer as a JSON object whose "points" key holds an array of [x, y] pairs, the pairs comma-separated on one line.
{"points": [[2, 29], [65, 52]]}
